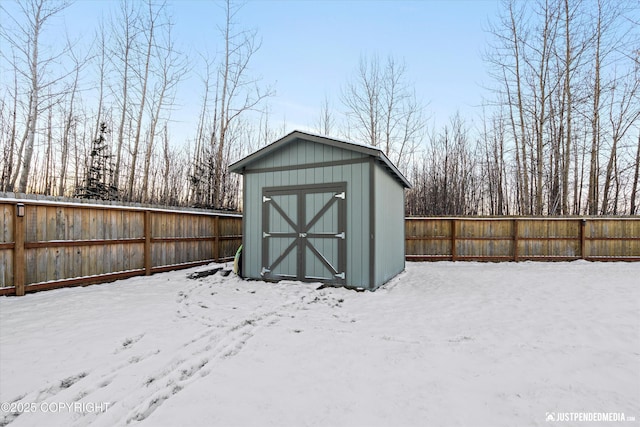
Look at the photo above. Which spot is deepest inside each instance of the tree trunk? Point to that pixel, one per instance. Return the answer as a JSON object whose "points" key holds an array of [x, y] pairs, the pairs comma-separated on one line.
{"points": [[223, 118], [569, 106], [592, 201], [167, 165], [48, 160], [636, 177], [33, 103], [604, 210], [143, 98], [7, 184], [128, 39], [66, 135], [525, 207]]}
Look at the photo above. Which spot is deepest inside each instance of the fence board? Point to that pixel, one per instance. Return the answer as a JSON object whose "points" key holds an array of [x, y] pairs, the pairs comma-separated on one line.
{"points": [[6, 268], [76, 268], [6, 216], [6, 238]]}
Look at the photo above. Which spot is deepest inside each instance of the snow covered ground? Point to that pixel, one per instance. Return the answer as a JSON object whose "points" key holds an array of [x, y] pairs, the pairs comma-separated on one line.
{"points": [[443, 344]]}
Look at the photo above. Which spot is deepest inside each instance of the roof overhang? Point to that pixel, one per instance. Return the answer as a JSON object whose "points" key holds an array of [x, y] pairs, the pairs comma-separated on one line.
{"points": [[242, 164]]}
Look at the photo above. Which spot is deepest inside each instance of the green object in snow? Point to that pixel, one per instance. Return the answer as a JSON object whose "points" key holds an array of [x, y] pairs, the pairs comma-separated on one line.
{"points": [[237, 262]]}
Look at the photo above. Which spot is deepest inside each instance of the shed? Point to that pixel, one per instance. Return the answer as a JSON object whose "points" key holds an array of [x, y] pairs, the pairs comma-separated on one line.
{"points": [[318, 209]]}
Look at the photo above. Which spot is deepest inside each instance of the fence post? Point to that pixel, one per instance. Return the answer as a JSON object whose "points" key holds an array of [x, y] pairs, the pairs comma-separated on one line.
{"points": [[147, 243], [216, 240], [583, 226], [18, 252], [515, 239], [453, 240]]}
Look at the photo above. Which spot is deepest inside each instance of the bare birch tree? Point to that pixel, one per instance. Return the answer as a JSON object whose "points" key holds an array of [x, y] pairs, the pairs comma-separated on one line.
{"points": [[382, 108], [506, 60], [624, 112], [149, 28], [636, 177], [125, 36], [170, 67], [326, 122], [69, 122], [34, 65], [592, 199], [6, 183], [236, 92]]}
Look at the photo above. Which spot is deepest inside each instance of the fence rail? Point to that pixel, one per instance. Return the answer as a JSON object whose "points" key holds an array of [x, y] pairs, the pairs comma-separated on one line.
{"points": [[61, 244], [522, 238]]}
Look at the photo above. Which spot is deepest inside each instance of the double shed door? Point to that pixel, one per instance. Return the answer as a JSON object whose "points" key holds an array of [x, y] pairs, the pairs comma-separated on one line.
{"points": [[304, 233]]}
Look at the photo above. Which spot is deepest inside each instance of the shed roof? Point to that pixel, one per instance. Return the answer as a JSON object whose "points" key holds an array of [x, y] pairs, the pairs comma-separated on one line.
{"points": [[241, 165]]}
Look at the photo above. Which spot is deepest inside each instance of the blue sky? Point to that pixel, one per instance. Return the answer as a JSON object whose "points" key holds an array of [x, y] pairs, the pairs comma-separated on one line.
{"points": [[311, 48]]}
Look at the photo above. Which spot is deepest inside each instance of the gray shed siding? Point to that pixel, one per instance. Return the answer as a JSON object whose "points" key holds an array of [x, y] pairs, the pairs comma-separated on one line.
{"points": [[303, 152], [389, 226], [279, 172]]}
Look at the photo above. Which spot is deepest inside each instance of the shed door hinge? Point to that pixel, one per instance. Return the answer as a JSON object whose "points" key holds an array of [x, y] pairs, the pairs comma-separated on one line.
{"points": [[340, 195], [340, 276], [265, 235], [266, 199], [340, 235], [264, 271]]}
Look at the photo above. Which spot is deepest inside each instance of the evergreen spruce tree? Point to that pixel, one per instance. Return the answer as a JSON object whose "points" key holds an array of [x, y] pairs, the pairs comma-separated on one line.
{"points": [[99, 177]]}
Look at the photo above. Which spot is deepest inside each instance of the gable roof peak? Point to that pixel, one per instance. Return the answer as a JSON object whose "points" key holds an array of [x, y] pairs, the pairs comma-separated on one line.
{"points": [[240, 165]]}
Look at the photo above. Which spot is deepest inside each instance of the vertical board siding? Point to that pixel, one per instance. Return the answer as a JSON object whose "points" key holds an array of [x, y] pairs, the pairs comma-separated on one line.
{"points": [[357, 198], [470, 238], [389, 240], [544, 239], [301, 152], [557, 238], [69, 244], [305, 152], [6, 238], [428, 238], [600, 232], [230, 227]]}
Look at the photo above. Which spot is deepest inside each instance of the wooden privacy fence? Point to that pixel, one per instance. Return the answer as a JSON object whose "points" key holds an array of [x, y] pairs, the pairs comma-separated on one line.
{"points": [[522, 238], [56, 245], [62, 244]]}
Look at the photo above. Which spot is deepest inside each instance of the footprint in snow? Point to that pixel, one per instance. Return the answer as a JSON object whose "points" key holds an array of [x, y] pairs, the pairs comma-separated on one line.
{"points": [[461, 339], [127, 343]]}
